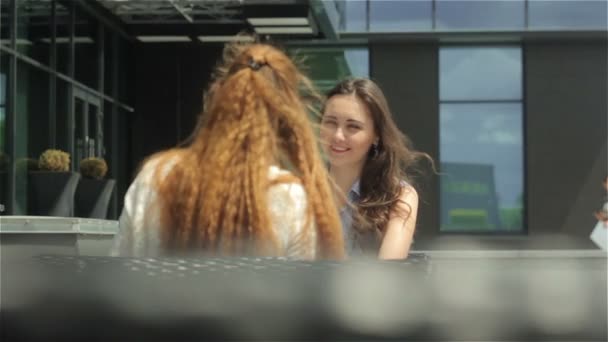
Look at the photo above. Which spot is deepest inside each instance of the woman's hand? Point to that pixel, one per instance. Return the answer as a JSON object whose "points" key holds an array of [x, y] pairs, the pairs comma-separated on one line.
{"points": [[602, 216]]}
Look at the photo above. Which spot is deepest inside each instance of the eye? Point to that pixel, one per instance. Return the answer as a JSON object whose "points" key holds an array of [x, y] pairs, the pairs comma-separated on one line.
{"points": [[328, 122], [353, 127]]}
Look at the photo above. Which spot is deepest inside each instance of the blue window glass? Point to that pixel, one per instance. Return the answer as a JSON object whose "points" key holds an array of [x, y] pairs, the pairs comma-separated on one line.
{"points": [[486, 73], [400, 16], [466, 14], [481, 143], [353, 15], [582, 14], [327, 66]]}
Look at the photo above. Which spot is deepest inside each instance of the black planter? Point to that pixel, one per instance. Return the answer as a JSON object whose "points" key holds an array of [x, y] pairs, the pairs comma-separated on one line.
{"points": [[51, 193], [92, 198]]}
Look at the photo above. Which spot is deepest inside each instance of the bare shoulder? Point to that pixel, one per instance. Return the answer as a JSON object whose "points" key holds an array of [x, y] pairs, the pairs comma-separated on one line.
{"points": [[407, 202], [408, 195]]}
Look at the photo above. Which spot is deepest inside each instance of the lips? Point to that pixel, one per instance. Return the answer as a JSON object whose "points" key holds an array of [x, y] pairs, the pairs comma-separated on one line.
{"points": [[337, 149]]}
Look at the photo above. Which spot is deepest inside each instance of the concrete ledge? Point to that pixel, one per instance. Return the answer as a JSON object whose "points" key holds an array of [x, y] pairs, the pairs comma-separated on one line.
{"points": [[547, 253], [26, 236], [56, 225]]}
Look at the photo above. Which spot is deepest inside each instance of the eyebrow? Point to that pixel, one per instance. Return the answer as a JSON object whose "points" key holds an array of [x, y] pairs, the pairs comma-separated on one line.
{"points": [[347, 120]]}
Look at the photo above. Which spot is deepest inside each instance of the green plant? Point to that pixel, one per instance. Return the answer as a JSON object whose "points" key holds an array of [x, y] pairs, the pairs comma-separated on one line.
{"points": [[54, 160], [95, 168]]}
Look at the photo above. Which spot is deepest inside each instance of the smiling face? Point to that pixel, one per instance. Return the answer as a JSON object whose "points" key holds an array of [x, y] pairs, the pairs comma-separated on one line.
{"points": [[347, 131]]}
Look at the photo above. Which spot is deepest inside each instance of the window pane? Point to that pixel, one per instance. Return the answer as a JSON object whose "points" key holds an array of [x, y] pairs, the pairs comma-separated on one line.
{"points": [[483, 73], [481, 167], [330, 8], [5, 28], [400, 16], [34, 29], [124, 62], [466, 14], [32, 107], [85, 39], [568, 14], [63, 36], [2, 134], [352, 15], [328, 66], [3, 83], [62, 122], [357, 61]]}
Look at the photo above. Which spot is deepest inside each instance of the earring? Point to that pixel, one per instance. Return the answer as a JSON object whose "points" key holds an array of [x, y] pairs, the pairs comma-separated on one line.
{"points": [[374, 150]]}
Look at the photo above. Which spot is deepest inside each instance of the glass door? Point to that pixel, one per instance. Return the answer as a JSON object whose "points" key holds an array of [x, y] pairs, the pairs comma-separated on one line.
{"points": [[88, 127]]}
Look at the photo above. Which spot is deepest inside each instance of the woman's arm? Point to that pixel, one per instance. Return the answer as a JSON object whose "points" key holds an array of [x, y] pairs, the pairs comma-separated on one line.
{"points": [[400, 229]]}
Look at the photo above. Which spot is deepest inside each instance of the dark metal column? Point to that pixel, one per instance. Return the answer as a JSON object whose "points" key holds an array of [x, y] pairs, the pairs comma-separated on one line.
{"points": [[114, 130], [53, 78], [70, 104], [11, 115], [101, 52]]}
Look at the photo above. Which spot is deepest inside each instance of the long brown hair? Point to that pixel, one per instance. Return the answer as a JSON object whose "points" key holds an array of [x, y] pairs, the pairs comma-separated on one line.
{"points": [[214, 198], [386, 166]]}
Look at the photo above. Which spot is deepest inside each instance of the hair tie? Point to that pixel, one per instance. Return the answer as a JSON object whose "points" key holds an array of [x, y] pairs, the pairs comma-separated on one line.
{"points": [[255, 65]]}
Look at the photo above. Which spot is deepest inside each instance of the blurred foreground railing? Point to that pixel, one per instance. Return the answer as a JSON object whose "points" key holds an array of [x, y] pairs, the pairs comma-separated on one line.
{"points": [[54, 297]]}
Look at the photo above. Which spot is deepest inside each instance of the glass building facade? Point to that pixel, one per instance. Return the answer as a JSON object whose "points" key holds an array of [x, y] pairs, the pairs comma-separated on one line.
{"points": [[68, 82], [374, 16], [481, 138], [63, 86], [481, 96]]}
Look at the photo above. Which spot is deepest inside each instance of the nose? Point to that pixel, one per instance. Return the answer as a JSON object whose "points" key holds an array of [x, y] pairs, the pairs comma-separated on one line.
{"points": [[338, 134]]}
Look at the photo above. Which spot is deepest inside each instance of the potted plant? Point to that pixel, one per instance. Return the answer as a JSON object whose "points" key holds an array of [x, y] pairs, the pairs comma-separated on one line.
{"points": [[51, 189], [93, 193]]}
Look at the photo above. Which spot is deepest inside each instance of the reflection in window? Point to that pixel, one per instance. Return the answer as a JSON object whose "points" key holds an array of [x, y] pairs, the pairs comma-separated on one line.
{"points": [[442, 15], [353, 15], [62, 23], [5, 28], [86, 57], [490, 73], [400, 16], [34, 29], [33, 109], [326, 66], [589, 14], [481, 140], [357, 61], [466, 14]]}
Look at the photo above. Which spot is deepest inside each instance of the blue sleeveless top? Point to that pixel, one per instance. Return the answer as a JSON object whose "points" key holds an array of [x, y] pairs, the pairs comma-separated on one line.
{"points": [[351, 243], [346, 217]]}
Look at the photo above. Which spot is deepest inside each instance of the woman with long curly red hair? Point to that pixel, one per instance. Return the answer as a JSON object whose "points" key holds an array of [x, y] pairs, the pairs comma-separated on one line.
{"points": [[251, 181]]}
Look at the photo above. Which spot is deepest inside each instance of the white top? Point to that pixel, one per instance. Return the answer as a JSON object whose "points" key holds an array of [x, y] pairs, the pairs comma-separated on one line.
{"points": [[286, 202]]}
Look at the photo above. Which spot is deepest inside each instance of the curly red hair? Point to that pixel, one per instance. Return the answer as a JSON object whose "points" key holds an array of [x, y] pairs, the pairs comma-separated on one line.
{"points": [[215, 197]]}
